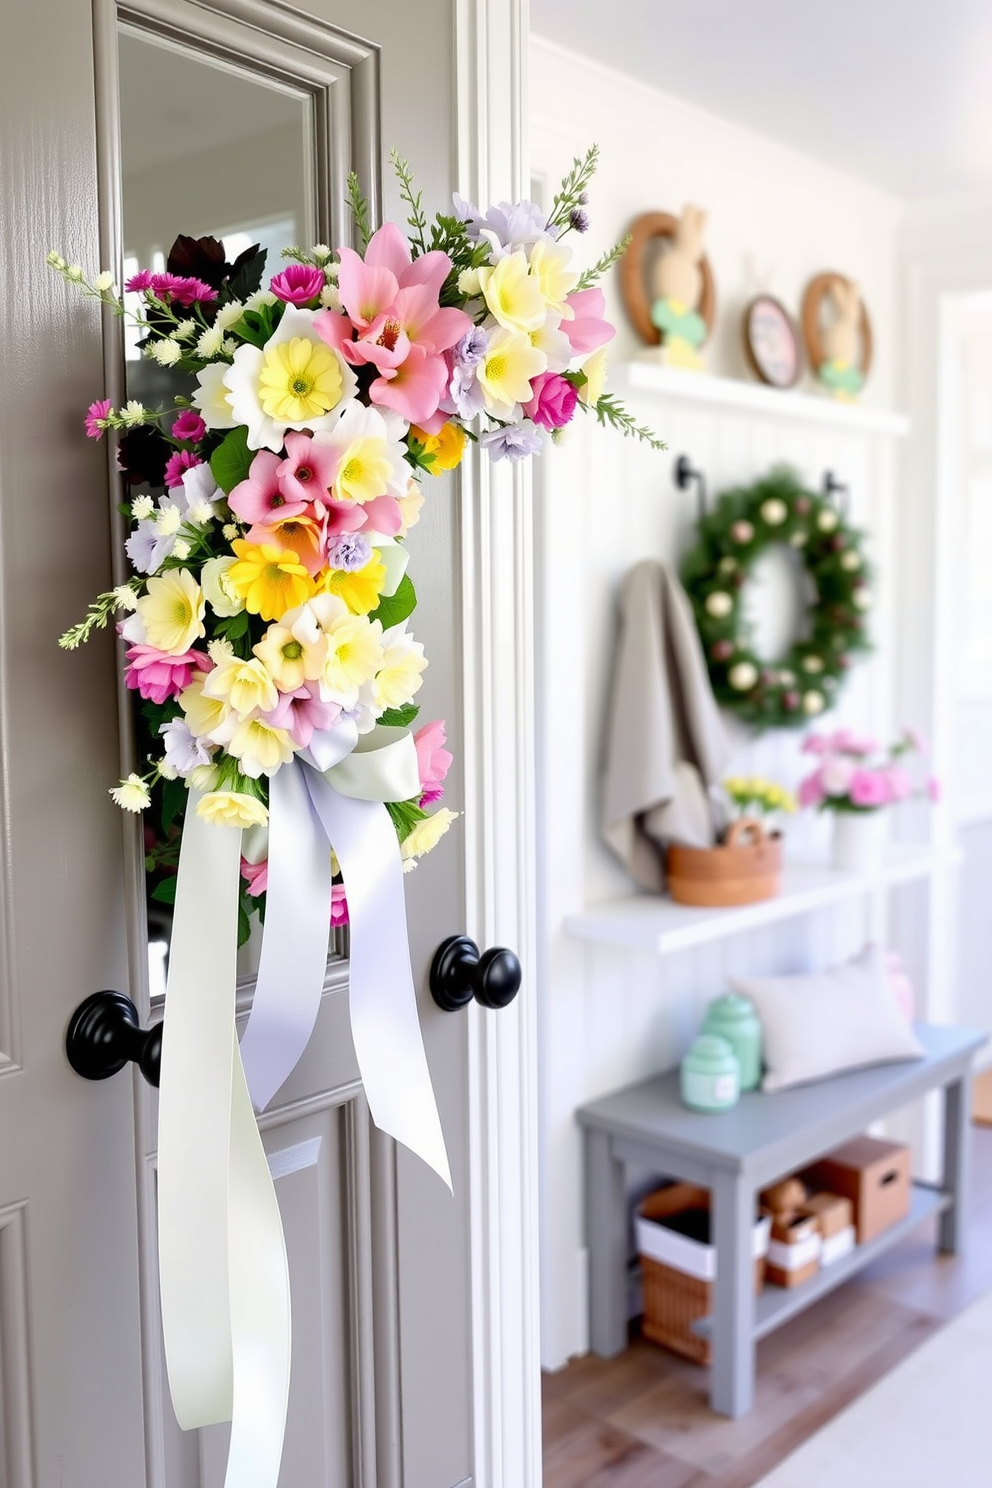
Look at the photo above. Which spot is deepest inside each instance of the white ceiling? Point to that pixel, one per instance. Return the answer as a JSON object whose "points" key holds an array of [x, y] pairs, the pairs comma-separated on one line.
{"points": [[898, 92]]}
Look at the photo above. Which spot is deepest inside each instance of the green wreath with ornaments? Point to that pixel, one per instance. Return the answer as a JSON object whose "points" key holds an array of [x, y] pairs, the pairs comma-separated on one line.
{"points": [[743, 525]]}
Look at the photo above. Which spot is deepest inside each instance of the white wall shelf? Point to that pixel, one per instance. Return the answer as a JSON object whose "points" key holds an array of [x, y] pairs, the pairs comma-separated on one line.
{"points": [[654, 380], [651, 922]]}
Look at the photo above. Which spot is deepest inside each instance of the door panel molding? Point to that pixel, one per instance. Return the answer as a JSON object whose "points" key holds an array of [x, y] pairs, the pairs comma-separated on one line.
{"points": [[16, 1410]]}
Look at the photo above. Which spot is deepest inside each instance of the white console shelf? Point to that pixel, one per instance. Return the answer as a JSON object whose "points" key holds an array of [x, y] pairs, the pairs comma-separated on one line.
{"points": [[651, 922], [651, 379]]}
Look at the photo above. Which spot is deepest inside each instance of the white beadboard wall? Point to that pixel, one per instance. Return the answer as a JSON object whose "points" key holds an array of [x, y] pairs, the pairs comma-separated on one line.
{"points": [[609, 1017]]}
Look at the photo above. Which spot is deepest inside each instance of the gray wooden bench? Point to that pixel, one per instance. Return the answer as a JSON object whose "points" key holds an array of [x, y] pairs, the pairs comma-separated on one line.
{"points": [[735, 1154]]}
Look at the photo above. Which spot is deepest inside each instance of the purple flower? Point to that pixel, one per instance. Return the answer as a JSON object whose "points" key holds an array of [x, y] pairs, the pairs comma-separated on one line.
{"points": [[467, 397], [470, 350], [578, 219], [350, 551], [183, 750], [303, 714], [511, 224], [514, 442]]}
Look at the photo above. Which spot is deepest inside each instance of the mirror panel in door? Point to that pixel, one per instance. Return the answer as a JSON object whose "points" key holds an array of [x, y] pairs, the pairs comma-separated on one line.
{"points": [[207, 149]]}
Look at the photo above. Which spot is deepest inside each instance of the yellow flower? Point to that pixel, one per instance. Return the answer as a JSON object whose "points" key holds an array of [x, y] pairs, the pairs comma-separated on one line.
{"points": [[364, 472], [409, 506], [260, 748], [360, 590], [426, 834], [300, 379], [447, 446], [289, 659], [204, 714], [173, 611], [398, 679], [270, 580], [232, 809], [245, 685], [505, 371], [513, 295], [549, 263], [354, 655], [595, 383], [132, 794]]}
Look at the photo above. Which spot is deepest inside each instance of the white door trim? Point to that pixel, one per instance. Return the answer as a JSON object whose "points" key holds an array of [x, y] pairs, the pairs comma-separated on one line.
{"points": [[492, 39]]}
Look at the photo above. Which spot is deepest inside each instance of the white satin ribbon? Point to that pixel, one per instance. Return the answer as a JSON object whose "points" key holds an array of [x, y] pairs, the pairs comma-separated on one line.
{"points": [[222, 1255]]}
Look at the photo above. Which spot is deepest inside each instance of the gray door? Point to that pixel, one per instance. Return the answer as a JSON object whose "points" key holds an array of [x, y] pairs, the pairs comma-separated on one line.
{"points": [[382, 1367]]}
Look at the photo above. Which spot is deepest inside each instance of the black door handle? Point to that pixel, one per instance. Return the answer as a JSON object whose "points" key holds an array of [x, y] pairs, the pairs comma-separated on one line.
{"points": [[459, 973], [104, 1034]]}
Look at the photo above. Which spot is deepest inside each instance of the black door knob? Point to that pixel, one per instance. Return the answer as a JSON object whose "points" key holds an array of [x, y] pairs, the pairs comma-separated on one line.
{"points": [[104, 1034], [459, 973]]}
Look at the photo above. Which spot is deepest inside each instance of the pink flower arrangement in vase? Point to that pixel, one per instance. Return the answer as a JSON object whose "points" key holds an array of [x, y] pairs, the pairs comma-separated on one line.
{"points": [[855, 777]]}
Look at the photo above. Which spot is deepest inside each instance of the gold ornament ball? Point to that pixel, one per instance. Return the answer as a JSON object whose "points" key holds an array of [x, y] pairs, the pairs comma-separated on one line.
{"points": [[742, 676], [719, 604]]}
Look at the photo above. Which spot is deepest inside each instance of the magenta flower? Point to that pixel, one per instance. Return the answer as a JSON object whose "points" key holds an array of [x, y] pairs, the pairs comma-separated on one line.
{"points": [[589, 327], [179, 289], [298, 284], [256, 875], [303, 714], [870, 788], [260, 496], [139, 281], [177, 464], [553, 402], [158, 677], [189, 425], [339, 905], [433, 760], [96, 412]]}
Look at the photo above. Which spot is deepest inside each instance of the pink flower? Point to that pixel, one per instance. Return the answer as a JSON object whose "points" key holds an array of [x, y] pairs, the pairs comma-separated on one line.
{"points": [[815, 744], [303, 713], [94, 413], [256, 875], [298, 284], [589, 328], [553, 402], [177, 463], [307, 472], [260, 496], [139, 281], [158, 677], [846, 741], [339, 905], [433, 760], [415, 388], [178, 289], [899, 784], [934, 789], [811, 791], [870, 788], [189, 425]]}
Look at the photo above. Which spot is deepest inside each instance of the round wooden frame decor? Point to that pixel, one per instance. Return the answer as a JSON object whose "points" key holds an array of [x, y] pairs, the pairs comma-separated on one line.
{"points": [[743, 525], [633, 288], [817, 291], [771, 342]]}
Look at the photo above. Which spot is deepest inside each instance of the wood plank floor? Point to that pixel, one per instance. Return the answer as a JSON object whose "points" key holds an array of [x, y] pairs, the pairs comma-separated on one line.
{"points": [[642, 1420]]}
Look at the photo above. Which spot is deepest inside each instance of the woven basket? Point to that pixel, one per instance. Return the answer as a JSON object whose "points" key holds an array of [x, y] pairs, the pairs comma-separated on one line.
{"points": [[742, 870], [674, 1301]]}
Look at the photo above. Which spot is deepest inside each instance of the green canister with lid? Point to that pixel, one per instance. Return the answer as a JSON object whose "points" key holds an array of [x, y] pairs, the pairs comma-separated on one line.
{"points": [[710, 1075], [733, 1018]]}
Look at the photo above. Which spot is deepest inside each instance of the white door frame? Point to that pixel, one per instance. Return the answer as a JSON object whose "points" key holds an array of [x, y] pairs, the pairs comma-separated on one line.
{"points": [[492, 40]]}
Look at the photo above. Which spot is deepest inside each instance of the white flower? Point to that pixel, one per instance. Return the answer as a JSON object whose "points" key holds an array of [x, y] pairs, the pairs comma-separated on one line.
{"points": [[329, 297], [200, 513], [132, 794], [719, 604], [331, 272], [184, 330], [55, 260], [104, 281], [259, 405], [259, 298], [469, 283], [133, 413], [594, 386], [198, 489], [399, 678], [229, 314], [743, 676], [75, 273], [167, 771], [320, 251], [368, 444], [774, 511], [551, 339], [223, 601], [229, 531], [169, 520], [125, 597], [142, 508], [209, 341], [212, 398], [229, 346], [165, 351], [180, 548]]}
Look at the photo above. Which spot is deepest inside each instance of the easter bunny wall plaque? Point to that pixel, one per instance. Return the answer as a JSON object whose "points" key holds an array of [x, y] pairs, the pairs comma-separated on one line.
{"points": [[839, 345], [678, 307]]}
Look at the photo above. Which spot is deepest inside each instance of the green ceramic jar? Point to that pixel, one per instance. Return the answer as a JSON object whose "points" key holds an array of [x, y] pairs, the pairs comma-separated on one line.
{"points": [[733, 1018], [710, 1075]]}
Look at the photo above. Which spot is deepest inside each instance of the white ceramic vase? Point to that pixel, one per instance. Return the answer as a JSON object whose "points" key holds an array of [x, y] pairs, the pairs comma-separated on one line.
{"points": [[859, 838]]}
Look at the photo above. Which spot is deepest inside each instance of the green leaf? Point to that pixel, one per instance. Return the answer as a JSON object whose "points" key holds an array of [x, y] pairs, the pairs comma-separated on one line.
{"points": [[395, 608], [405, 816], [399, 717], [236, 626], [231, 460], [165, 892]]}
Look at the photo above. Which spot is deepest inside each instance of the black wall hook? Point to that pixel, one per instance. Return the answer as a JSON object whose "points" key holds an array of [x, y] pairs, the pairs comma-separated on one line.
{"points": [[684, 475], [832, 487]]}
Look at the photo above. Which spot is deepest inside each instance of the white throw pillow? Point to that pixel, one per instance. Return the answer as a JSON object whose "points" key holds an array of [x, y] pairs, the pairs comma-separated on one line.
{"points": [[834, 1020]]}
